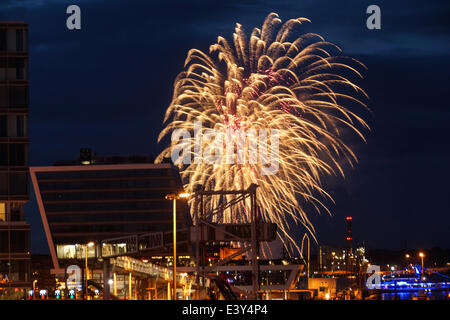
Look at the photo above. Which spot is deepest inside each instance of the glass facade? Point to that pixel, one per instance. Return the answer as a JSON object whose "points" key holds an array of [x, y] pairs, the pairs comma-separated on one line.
{"points": [[97, 202], [74, 251], [14, 231]]}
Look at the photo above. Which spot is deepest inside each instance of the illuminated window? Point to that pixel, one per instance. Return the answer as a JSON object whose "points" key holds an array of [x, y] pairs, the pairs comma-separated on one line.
{"points": [[66, 251], [2, 211]]}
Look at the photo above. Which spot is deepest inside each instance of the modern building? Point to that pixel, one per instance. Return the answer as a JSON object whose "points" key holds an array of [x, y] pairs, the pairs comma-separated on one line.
{"points": [[97, 198], [14, 231]]}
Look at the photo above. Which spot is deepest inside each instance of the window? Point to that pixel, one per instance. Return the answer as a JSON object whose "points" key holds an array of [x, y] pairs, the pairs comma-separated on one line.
{"points": [[3, 154], [21, 126], [16, 212], [18, 97], [18, 183], [20, 74], [2, 39], [65, 251], [3, 184], [73, 251], [3, 69], [12, 126], [3, 128], [2, 212], [17, 154], [19, 40], [4, 246], [3, 97], [19, 241]]}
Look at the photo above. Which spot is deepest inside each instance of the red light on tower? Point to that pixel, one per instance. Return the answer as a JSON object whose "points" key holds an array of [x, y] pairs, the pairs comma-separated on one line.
{"points": [[349, 234]]}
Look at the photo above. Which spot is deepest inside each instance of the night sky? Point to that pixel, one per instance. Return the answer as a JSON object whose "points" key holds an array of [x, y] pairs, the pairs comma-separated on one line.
{"points": [[107, 86]]}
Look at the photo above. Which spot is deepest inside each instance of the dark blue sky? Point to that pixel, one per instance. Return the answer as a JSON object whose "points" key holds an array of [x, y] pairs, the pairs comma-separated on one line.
{"points": [[107, 85]]}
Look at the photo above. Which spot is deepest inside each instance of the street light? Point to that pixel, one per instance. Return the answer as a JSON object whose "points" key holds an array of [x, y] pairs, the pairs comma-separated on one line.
{"points": [[332, 261], [407, 256], [34, 287], [421, 255], [174, 197], [308, 257], [90, 244]]}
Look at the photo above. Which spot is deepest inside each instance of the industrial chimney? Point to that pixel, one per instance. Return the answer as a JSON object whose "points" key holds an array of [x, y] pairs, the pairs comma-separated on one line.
{"points": [[349, 234]]}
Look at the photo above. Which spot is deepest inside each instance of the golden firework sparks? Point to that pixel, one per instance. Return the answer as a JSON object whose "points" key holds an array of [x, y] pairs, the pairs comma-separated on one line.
{"points": [[302, 88]]}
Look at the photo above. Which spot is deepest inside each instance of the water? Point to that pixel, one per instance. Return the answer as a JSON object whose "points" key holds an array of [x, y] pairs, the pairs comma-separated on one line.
{"points": [[429, 295]]}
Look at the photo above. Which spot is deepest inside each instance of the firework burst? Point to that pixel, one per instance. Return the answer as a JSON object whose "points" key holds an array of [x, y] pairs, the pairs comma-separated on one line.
{"points": [[302, 87]]}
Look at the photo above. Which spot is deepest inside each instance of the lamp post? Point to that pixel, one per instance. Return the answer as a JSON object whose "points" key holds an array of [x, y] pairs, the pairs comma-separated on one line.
{"points": [[421, 255], [308, 257], [34, 287], [332, 260], [90, 244], [174, 197]]}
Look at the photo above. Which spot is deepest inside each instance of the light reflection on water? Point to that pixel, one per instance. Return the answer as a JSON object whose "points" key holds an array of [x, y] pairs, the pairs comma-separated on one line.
{"points": [[433, 295]]}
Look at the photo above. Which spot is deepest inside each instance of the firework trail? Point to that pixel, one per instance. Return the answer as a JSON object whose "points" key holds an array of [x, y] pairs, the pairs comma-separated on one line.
{"points": [[300, 86]]}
